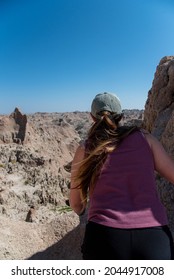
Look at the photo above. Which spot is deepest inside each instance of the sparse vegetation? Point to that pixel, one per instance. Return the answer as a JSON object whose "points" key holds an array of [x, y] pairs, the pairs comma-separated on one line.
{"points": [[62, 209]]}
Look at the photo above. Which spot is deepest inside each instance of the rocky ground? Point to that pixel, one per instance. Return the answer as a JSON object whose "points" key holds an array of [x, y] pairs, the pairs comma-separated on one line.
{"points": [[35, 161]]}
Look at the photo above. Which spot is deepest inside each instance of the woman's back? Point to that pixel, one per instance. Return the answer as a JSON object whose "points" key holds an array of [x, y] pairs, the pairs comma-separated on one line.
{"points": [[116, 170], [125, 194]]}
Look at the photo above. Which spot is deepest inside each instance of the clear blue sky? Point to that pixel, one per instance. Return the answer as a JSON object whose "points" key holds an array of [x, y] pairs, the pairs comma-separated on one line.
{"points": [[56, 55]]}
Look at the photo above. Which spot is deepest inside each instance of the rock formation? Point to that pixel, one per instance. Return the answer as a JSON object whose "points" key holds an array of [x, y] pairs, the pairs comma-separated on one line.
{"points": [[159, 120], [13, 129]]}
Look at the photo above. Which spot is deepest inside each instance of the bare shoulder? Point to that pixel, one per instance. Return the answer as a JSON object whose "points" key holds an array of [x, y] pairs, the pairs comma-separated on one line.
{"points": [[81, 148], [163, 163], [80, 153], [149, 137]]}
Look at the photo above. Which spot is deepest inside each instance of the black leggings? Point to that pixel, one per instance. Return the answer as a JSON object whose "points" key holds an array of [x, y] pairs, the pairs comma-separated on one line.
{"points": [[106, 243]]}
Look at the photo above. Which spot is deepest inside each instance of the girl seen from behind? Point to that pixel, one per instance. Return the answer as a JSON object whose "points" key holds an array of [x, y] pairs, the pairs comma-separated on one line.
{"points": [[114, 170]]}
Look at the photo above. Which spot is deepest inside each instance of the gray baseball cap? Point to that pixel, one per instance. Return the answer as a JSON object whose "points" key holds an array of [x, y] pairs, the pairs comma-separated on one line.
{"points": [[105, 102]]}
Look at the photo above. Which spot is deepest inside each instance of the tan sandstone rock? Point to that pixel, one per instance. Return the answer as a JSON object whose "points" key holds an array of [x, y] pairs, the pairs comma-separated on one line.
{"points": [[159, 120]]}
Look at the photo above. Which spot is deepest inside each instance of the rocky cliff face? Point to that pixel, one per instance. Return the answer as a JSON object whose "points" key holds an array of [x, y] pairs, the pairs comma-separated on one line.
{"points": [[14, 129], [34, 171], [159, 120]]}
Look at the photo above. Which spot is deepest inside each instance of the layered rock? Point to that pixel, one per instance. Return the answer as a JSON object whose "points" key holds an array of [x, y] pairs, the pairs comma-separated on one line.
{"points": [[14, 128], [159, 120]]}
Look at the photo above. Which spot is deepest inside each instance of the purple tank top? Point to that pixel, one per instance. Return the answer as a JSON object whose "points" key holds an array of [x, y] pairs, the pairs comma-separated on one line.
{"points": [[125, 195]]}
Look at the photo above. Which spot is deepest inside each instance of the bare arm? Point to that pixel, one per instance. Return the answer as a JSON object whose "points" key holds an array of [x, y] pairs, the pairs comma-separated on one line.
{"points": [[75, 199], [163, 162]]}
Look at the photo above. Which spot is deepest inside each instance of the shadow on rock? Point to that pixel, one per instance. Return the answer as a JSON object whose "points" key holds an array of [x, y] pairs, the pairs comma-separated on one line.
{"points": [[68, 248]]}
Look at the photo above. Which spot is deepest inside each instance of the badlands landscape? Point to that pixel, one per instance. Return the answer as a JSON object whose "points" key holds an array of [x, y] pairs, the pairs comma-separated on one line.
{"points": [[36, 152]]}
